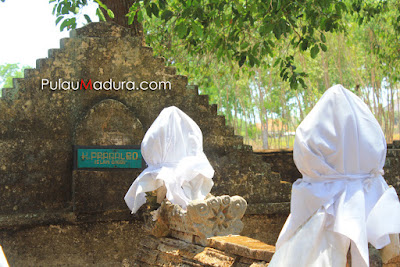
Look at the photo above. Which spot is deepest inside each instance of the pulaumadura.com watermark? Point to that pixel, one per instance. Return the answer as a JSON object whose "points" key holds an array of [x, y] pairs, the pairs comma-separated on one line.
{"points": [[107, 85]]}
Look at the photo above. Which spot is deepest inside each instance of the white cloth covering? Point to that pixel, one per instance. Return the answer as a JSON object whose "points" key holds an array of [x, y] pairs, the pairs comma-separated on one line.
{"points": [[340, 150], [173, 151], [3, 259], [313, 246]]}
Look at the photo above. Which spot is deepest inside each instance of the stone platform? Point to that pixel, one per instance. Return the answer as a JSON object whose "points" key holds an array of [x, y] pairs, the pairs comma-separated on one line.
{"points": [[222, 251], [395, 262], [205, 234]]}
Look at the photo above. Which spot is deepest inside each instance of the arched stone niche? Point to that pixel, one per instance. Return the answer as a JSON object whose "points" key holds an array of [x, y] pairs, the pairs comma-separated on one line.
{"points": [[109, 122]]}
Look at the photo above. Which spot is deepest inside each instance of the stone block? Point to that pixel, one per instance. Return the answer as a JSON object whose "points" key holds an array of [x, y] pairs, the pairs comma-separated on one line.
{"points": [[213, 257], [243, 246], [147, 256], [150, 242], [186, 250]]}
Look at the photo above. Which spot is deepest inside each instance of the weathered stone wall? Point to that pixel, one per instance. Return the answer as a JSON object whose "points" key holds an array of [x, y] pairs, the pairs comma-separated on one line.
{"points": [[281, 161], [39, 127], [51, 214], [392, 166]]}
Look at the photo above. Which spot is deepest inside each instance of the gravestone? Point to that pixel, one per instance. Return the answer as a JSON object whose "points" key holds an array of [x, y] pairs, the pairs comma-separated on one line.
{"points": [[43, 118]]}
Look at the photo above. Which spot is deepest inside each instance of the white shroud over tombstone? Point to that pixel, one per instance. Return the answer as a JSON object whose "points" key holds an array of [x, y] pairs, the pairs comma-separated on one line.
{"points": [[340, 150], [173, 151], [3, 259]]}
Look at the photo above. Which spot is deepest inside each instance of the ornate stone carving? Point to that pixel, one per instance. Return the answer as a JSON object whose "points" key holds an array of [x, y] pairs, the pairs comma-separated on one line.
{"points": [[214, 216]]}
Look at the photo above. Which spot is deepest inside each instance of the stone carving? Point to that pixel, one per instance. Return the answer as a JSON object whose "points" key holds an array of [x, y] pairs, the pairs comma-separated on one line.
{"points": [[214, 216]]}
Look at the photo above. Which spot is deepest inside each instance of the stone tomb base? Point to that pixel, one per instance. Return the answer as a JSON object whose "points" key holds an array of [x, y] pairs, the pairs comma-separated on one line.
{"points": [[221, 251], [206, 234]]}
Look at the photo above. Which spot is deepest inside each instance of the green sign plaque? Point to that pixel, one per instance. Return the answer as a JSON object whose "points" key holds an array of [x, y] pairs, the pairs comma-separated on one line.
{"points": [[107, 157]]}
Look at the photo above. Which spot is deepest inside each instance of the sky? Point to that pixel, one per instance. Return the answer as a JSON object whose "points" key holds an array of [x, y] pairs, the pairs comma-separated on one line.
{"points": [[28, 30]]}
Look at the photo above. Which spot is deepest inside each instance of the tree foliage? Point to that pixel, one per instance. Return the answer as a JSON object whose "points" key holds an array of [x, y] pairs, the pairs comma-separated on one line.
{"points": [[243, 31], [8, 72]]}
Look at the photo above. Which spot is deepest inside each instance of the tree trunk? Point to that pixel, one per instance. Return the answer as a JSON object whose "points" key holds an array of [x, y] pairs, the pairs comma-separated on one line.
{"points": [[263, 113], [325, 65], [398, 110], [120, 8]]}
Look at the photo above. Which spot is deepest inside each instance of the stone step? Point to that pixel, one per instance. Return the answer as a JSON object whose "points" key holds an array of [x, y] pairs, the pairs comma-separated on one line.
{"points": [[224, 143], [6, 93], [170, 70], [53, 52], [396, 144], [243, 246], [394, 152], [28, 73]]}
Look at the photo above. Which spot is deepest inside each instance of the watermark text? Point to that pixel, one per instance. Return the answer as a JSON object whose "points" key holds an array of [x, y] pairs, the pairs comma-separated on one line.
{"points": [[107, 85]]}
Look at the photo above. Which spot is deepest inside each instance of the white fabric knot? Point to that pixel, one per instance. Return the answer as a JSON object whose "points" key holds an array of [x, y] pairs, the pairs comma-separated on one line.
{"points": [[368, 181], [162, 164], [377, 172]]}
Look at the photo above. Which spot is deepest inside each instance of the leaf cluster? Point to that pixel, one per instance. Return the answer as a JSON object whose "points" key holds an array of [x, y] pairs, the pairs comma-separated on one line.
{"points": [[66, 12]]}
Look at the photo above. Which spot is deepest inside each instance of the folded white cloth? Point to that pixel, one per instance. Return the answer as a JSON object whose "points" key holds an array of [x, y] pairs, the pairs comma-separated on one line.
{"points": [[340, 150], [173, 151]]}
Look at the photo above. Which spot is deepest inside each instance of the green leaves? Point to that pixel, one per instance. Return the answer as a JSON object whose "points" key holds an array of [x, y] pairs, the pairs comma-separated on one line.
{"points": [[304, 44], [100, 14], [167, 15], [242, 59], [59, 19], [152, 9], [281, 28], [87, 18], [314, 51], [323, 38], [110, 13], [181, 29], [69, 23]]}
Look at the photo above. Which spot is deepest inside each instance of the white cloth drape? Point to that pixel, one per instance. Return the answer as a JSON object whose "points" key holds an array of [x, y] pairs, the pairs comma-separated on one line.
{"points": [[340, 150], [3, 259], [173, 151]]}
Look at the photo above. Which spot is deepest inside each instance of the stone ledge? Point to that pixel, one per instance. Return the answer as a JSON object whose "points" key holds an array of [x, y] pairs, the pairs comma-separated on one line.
{"points": [[268, 208], [394, 262], [32, 219], [101, 30], [243, 246], [213, 257], [14, 221], [45, 218]]}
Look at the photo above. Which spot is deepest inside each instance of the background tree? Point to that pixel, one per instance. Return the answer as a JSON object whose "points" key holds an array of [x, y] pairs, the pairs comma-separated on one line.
{"points": [[10, 71]]}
